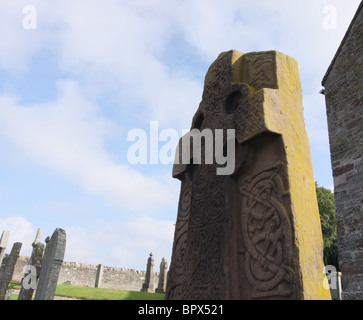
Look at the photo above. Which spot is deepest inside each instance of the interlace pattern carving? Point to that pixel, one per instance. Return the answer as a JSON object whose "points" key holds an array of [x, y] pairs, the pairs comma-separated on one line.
{"points": [[267, 235]]}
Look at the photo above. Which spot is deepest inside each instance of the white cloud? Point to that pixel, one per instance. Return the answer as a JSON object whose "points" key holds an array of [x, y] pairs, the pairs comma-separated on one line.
{"points": [[117, 45], [120, 244], [68, 136], [122, 42], [150, 235], [17, 43], [150, 228], [79, 246], [122, 256], [21, 230], [109, 46]]}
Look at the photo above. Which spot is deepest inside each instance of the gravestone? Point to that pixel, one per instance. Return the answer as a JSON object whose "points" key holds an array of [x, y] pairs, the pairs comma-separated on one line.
{"points": [[252, 232], [336, 286], [162, 276], [51, 265], [30, 280], [99, 275], [148, 285], [9, 269], [3, 243]]}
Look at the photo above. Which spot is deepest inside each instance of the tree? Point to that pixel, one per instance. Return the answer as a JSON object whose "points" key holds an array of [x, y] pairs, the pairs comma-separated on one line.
{"points": [[328, 225]]}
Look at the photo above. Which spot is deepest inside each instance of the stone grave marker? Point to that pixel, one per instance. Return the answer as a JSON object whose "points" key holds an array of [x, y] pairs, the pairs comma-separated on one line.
{"points": [[148, 285], [162, 276], [9, 269], [51, 265], [3, 243], [99, 276], [30, 280]]}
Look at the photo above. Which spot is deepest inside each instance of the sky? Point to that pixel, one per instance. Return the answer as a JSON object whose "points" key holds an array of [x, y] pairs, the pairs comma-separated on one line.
{"points": [[76, 77]]}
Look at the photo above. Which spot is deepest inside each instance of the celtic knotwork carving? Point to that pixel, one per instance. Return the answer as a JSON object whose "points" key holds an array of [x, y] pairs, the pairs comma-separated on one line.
{"points": [[217, 82], [260, 69], [177, 266], [184, 204], [248, 116], [267, 235], [204, 266]]}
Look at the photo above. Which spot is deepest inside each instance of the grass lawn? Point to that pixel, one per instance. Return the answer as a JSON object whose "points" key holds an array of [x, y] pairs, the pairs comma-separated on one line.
{"points": [[87, 293]]}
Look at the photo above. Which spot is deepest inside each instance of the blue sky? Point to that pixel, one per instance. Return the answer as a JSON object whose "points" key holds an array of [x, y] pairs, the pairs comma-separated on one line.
{"points": [[91, 71]]}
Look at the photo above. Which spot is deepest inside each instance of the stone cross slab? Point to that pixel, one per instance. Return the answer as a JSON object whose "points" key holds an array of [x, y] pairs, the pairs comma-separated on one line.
{"points": [[51, 265], [255, 233]]}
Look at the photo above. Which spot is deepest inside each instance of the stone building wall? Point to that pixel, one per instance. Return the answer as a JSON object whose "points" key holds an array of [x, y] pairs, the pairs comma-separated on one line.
{"points": [[343, 84]]}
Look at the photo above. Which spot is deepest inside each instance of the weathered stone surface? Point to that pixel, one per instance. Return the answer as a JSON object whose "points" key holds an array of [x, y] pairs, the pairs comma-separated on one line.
{"points": [[162, 276], [336, 286], [254, 234], [148, 285], [35, 260], [3, 243], [344, 105], [51, 265], [9, 269], [99, 276]]}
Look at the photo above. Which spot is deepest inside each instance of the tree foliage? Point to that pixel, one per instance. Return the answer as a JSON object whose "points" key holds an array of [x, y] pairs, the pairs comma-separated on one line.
{"points": [[328, 225]]}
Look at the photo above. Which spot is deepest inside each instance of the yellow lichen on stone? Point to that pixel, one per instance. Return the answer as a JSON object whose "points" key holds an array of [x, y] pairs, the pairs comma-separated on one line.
{"points": [[236, 66], [284, 114]]}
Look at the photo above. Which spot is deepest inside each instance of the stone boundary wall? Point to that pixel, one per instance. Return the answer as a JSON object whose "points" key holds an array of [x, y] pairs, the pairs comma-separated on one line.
{"points": [[81, 274]]}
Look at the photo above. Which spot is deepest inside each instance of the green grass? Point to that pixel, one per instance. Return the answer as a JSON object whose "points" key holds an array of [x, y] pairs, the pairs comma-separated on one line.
{"points": [[87, 293], [14, 285]]}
